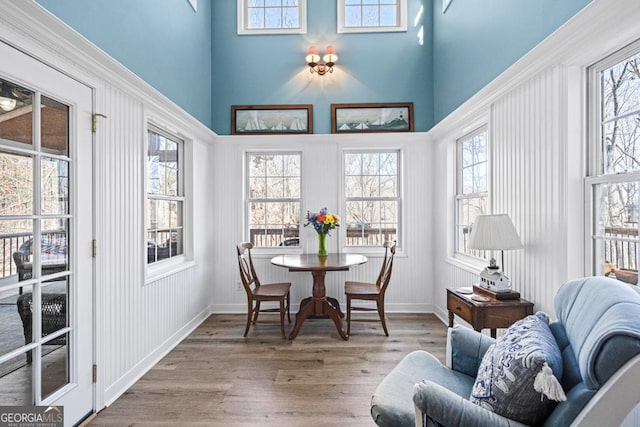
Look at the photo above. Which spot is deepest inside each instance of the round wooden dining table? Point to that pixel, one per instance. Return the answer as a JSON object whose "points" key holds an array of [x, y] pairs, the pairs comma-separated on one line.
{"points": [[319, 304]]}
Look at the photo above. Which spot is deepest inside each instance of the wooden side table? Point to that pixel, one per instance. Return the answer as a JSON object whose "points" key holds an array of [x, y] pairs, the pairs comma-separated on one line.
{"points": [[490, 314]]}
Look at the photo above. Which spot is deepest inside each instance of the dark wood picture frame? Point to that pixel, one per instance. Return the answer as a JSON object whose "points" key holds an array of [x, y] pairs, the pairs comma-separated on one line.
{"points": [[365, 118], [271, 119]]}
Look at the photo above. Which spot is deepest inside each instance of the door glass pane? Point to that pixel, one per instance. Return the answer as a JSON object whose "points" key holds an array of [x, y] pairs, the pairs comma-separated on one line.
{"points": [[15, 242], [55, 127], [55, 297], [55, 186], [55, 365], [15, 315], [16, 184], [15, 382], [16, 113], [16, 321], [54, 253]]}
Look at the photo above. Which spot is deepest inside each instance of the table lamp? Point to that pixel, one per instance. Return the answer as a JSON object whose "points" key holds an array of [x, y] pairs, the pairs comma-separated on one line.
{"points": [[494, 233]]}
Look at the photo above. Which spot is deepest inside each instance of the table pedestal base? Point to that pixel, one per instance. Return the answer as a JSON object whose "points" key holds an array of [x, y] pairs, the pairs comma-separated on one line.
{"points": [[319, 305], [330, 309]]}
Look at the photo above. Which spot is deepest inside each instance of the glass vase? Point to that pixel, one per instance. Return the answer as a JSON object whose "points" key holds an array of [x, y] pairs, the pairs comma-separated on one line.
{"points": [[322, 244]]}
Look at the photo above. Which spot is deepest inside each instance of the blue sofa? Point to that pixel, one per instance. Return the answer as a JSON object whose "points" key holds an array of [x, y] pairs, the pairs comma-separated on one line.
{"points": [[598, 334]]}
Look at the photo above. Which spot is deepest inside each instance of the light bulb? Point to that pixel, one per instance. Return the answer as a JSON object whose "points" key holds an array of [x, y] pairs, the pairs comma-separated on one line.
{"points": [[7, 104]]}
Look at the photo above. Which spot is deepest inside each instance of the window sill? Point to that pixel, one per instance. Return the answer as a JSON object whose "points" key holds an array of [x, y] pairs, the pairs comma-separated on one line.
{"points": [[278, 250], [371, 251], [361, 30], [468, 264], [168, 268]]}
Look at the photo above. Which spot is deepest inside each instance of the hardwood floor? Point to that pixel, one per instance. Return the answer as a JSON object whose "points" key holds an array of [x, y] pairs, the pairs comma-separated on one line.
{"points": [[215, 377]]}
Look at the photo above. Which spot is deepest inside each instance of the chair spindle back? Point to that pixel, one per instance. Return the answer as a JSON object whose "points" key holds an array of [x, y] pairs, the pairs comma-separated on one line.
{"points": [[245, 263], [387, 265]]}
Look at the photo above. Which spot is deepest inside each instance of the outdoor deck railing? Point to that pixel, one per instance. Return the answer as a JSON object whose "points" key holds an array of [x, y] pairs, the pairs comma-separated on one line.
{"points": [[289, 237], [621, 247], [11, 242], [620, 243]]}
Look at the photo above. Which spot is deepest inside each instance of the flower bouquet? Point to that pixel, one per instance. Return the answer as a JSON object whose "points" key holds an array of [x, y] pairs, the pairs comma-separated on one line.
{"points": [[322, 222]]}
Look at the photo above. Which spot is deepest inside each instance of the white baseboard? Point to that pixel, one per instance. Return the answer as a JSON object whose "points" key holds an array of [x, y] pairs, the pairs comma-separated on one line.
{"points": [[388, 308], [442, 314]]}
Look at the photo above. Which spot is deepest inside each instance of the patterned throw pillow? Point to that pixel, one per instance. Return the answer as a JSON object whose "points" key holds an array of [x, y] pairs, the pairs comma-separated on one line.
{"points": [[518, 374]]}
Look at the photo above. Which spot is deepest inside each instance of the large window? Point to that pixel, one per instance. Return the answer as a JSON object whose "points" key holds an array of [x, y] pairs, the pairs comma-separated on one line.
{"points": [[360, 16], [165, 197], [615, 172], [272, 16], [472, 187], [273, 199], [372, 197]]}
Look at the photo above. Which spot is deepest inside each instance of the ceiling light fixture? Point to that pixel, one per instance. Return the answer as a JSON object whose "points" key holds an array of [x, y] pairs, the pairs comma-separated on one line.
{"points": [[8, 104], [313, 60], [8, 98]]}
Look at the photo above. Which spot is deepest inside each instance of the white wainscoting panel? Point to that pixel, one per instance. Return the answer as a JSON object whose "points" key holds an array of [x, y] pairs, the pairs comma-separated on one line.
{"points": [[527, 157], [138, 322], [411, 285]]}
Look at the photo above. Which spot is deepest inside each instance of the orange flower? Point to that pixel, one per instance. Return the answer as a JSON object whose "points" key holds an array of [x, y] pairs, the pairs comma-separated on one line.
{"points": [[323, 221]]}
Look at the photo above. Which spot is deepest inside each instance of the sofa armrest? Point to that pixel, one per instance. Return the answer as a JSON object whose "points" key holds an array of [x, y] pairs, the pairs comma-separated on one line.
{"points": [[465, 349], [449, 409]]}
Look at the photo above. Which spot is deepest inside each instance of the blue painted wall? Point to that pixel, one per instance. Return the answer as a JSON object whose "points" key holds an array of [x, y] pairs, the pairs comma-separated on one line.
{"points": [[474, 41], [198, 60], [384, 67], [164, 42]]}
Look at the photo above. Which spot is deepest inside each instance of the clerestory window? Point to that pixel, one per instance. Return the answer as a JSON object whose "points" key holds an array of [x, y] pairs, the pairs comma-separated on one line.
{"points": [[364, 16], [272, 16]]}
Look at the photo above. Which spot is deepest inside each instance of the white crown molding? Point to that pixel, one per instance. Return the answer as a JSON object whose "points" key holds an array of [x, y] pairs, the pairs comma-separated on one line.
{"points": [[31, 28], [599, 29]]}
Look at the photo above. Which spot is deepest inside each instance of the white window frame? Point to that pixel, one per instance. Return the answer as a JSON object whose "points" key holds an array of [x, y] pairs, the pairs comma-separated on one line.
{"points": [[159, 269], [596, 175], [400, 27], [243, 18], [373, 249], [459, 196], [247, 200]]}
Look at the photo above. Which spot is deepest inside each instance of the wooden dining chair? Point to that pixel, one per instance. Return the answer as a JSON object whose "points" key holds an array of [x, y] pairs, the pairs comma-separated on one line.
{"points": [[372, 291], [257, 292]]}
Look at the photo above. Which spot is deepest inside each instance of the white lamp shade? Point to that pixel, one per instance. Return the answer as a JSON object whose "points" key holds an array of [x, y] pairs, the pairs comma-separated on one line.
{"points": [[494, 233], [330, 54], [312, 55]]}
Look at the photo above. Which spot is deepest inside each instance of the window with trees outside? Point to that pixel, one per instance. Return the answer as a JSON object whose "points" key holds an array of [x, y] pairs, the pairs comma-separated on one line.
{"points": [[272, 16], [472, 187], [165, 197], [363, 16], [372, 197], [614, 178], [273, 199]]}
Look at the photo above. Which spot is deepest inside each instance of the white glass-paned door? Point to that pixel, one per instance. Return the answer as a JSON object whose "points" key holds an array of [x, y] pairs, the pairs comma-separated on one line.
{"points": [[46, 266]]}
